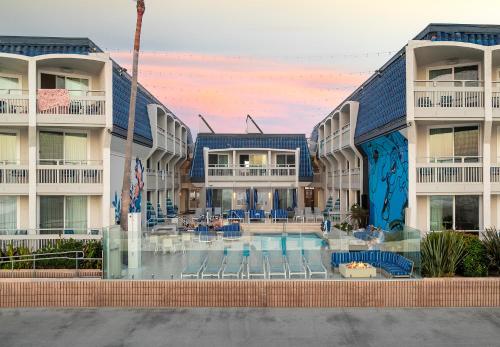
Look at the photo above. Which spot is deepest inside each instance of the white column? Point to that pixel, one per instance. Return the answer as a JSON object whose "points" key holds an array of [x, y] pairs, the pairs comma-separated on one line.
{"points": [[412, 137], [205, 165], [32, 145], [488, 119]]}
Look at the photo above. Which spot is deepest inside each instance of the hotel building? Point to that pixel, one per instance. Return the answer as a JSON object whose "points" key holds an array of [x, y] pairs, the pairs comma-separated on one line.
{"points": [[418, 143], [64, 107]]}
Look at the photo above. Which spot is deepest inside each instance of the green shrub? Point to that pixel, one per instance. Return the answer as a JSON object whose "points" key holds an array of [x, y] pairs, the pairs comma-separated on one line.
{"points": [[475, 262], [91, 249], [442, 253], [491, 242]]}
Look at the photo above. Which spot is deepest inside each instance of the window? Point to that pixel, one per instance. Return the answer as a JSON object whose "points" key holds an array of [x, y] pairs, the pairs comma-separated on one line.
{"points": [[8, 214], [454, 144], [252, 160], [8, 148], [460, 212], [285, 159], [76, 86], [218, 159], [456, 73], [9, 85], [68, 148], [63, 212], [222, 198]]}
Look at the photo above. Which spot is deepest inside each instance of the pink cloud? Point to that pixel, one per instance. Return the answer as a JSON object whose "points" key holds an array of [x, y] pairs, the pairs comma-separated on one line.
{"points": [[282, 97]]}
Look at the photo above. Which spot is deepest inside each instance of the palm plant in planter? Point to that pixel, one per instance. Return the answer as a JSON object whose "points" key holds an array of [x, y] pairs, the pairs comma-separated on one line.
{"points": [[491, 242], [359, 216], [442, 253]]}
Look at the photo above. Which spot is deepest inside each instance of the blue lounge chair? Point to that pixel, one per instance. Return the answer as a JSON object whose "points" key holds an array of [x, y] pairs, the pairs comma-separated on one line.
{"points": [[257, 215], [279, 214], [276, 264], [233, 264], [238, 215], [295, 263], [213, 265], [195, 262], [255, 265], [314, 263], [231, 231]]}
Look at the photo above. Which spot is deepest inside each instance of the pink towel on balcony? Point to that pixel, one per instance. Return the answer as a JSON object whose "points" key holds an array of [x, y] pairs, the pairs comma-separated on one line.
{"points": [[49, 99]]}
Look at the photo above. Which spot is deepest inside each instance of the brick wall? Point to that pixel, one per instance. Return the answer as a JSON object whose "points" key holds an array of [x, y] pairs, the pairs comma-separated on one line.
{"points": [[477, 292], [50, 273]]}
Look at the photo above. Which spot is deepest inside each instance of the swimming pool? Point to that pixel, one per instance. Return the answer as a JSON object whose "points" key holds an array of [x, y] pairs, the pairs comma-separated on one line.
{"points": [[290, 241]]}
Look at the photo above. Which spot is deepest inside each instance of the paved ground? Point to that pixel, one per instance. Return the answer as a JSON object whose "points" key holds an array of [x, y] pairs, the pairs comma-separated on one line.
{"points": [[251, 327]]}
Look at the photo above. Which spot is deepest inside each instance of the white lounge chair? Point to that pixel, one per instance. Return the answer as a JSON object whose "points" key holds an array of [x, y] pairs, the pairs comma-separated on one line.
{"points": [[295, 263], [233, 264], [195, 263], [314, 263], [276, 264], [213, 265], [255, 265]]}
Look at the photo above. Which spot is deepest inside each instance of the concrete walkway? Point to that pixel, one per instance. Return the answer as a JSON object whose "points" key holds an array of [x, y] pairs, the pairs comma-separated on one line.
{"points": [[251, 327]]}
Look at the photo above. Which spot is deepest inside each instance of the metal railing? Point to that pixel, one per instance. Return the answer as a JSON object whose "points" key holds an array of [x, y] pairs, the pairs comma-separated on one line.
{"points": [[13, 173], [464, 94], [69, 162], [48, 174], [456, 169], [14, 101], [89, 103], [32, 259], [256, 171]]}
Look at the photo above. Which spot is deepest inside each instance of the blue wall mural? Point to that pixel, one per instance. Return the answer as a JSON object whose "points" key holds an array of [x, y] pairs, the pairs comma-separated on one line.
{"points": [[136, 187], [387, 180]]}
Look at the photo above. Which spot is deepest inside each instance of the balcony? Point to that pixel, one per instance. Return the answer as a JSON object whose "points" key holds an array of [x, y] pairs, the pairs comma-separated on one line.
{"points": [[450, 175], [355, 178], [321, 148], [56, 176], [184, 149], [150, 179], [329, 180], [346, 135], [14, 106], [495, 178], [336, 141], [495, 99], [336, 179], [178, 146], [328, 144], [345, 179], [160, 138], [245, 173], [170, 142], [89, 108], [162, 179], [449, 99], [14, 178]]}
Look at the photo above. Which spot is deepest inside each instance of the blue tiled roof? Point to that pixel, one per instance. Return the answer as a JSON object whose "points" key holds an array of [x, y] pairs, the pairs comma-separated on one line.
{"points": [[278, 141], [382, 98], [33, 46]]}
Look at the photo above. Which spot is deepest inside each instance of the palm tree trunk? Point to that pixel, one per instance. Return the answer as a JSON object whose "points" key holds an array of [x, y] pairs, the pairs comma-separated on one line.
{"points": [[131, 120]]}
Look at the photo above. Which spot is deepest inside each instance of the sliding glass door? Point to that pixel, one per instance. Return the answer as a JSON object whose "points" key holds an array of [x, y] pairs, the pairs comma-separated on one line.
{"points": [[8, 148], [448, 212], [67, 148], [454, 144], [58, 213], [8, 214]]}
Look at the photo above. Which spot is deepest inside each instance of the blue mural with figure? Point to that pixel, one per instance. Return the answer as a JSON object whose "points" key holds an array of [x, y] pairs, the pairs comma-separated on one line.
{"points": [[387, 180]]}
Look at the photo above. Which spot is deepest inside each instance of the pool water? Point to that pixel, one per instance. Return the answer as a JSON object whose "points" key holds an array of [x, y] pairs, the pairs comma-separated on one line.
{"points": [[287, 241]]}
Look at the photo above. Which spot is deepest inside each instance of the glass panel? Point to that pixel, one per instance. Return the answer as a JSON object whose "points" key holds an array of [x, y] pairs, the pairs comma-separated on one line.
{"points": [[51, 214], [244, 160], [258, 160], [227, 199], [76, 213], [8, 214], [8, 148], [466, 212], [77, 86], [441, 145], [75, 148], [441, 74], [290, 159], [223, 159], [51, 147], [9, 85], [441, 213], [60, 82], [212, 159], [467, 142], [280, 159], [469, 73]]}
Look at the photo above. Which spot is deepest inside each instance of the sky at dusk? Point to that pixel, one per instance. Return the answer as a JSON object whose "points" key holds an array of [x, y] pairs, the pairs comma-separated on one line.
{"points": [[286, 63]]}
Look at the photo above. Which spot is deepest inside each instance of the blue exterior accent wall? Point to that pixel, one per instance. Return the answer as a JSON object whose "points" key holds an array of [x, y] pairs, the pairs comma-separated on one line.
{"points": [[220, 141], [387, 179]]}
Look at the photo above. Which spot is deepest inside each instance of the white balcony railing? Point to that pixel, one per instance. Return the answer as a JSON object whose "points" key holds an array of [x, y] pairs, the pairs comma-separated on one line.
{"points": [[345, 178], [13, 173], [450, 170], [170, 142], [81, 175], [321, 148], [151, 179], [92, 103], [177, 146], [160, 136], [495, 173], [448, 94], [14, 101], [336, 179], [346, 135], [252, 171]]}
